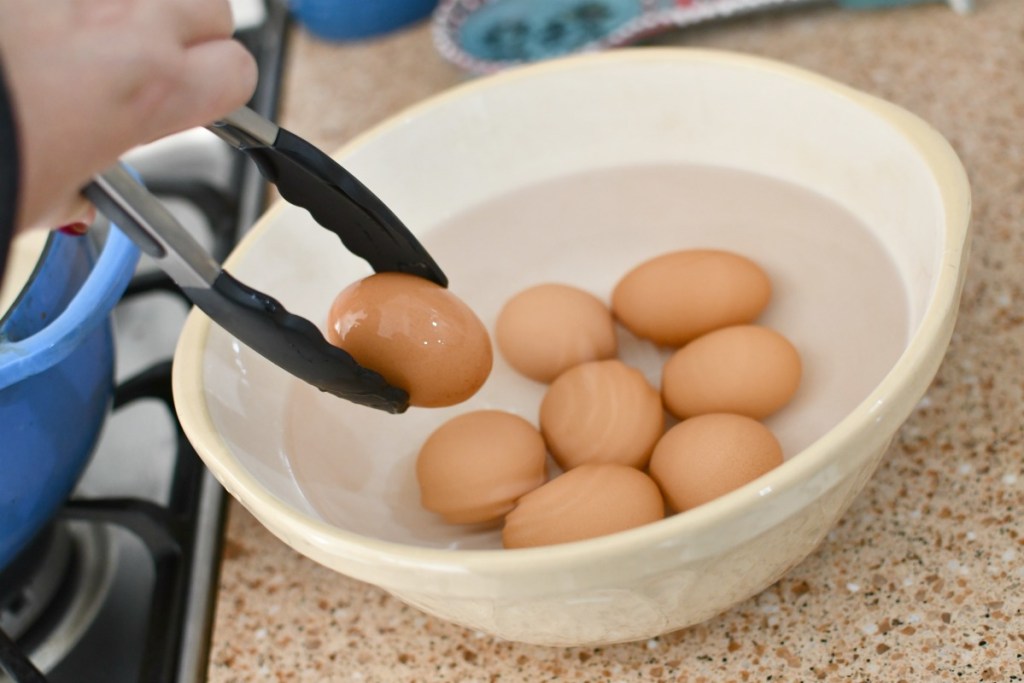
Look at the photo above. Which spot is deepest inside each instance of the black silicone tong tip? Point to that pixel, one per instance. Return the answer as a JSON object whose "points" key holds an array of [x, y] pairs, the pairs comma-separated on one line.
{"points": [[307, 177], [294, 344], [289, 341]]}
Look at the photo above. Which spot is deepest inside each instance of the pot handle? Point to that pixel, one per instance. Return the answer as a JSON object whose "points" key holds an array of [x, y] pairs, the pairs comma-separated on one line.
{"points": [[92, 304]]}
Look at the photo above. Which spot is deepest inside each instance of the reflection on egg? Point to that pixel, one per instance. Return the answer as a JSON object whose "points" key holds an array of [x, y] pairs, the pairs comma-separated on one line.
{"points": [[602, 411], [547, 329], [588, 501], [745, 369], [679, 296], [707, 456], [474, 467], [417, 334]]}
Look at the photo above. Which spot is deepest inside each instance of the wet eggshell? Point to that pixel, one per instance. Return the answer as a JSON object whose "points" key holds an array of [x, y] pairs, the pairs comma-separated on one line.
{"points": [[547, 329], [588, 501], [707, 456], [746, 369], [676, 297], [602, 411], [417, 334], [474, 467]]}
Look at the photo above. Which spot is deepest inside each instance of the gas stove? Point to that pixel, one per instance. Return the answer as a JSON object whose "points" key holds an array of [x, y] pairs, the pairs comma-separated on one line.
{"points": [[120, 587]]}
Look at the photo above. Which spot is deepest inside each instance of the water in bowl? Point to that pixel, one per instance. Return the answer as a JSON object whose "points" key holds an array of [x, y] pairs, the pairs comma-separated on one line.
{"points": [[836, 294]]}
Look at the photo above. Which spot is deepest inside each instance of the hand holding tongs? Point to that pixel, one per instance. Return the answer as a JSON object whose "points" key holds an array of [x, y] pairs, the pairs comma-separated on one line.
{"points": [[306, 177]]}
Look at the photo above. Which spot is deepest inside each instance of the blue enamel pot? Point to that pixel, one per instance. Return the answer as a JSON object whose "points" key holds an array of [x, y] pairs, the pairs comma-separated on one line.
{"points": [[56, 377], [358, 19]]}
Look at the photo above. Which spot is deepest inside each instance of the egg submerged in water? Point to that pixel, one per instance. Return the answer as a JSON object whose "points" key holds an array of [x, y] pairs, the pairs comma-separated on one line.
{"points": [[548, 328], [746, 369], [710, 455], [473, 468], [676, 297], [602, 411], [418, 335], [591, 500]]}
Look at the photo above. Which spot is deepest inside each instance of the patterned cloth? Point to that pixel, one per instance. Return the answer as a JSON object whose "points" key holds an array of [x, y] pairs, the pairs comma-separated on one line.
{"points": [[482, 36]]}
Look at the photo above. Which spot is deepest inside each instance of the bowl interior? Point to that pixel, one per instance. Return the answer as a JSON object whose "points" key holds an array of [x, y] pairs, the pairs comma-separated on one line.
{"points": [[576, 172]]}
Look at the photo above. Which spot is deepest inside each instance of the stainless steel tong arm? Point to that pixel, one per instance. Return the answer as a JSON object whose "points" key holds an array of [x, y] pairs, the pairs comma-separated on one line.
{"points": [[244, 128], [152, 227]]}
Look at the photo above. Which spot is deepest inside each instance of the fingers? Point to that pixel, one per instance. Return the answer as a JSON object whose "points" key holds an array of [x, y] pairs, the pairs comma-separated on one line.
{"points": [[134, 70], [219, 74], [80, 222], [72, 216], [216, 78], [197, 21]]}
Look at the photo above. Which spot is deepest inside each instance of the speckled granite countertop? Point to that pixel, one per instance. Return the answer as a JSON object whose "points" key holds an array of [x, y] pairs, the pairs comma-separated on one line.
{"points": [[923, 580]]}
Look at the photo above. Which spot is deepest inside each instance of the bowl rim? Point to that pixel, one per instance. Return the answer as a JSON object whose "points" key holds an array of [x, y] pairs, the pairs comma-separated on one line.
{"points": [[891, 401]]}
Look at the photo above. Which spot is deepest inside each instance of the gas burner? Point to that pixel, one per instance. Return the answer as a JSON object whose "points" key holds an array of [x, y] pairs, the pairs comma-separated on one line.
{"points": [[31, 582], [55, 603]]}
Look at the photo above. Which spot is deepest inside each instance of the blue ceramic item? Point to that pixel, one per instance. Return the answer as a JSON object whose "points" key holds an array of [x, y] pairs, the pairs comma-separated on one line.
{"points": [[56, 378], [355, 19]]}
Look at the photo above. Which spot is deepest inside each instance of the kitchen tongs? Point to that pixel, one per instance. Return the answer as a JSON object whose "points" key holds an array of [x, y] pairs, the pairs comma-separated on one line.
{"points": [[306, 177]]}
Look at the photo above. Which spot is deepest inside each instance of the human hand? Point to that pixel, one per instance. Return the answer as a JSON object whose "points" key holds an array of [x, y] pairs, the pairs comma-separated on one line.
{"points": [[90, 79]]}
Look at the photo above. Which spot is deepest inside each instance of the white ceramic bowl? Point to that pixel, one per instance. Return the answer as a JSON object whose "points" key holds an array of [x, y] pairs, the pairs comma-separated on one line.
{"points": [[335, 480]]}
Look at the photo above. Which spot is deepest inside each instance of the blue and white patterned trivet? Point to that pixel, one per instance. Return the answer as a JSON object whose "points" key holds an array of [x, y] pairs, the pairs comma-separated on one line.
{"points": [[487, 35]]}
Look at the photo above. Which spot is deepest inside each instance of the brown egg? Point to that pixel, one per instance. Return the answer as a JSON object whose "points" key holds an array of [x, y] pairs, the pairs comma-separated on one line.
{"points": [[588, 501], [745, 369], [602, 411], [417, 334], [709, 455], [679, 296], [474, 467], [545, 330]]}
